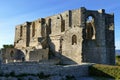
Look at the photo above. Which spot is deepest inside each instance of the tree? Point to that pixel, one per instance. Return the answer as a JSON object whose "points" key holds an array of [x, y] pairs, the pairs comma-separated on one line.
{"points": [[8, 46]]}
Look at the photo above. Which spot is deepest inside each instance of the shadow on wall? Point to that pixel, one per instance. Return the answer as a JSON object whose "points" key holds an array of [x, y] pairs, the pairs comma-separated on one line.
{"points": [[46, 42], [58, 54], [20, 55]]}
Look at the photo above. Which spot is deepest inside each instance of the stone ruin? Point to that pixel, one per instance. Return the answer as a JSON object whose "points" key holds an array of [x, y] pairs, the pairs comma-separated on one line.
{"points": [[73, 37]]}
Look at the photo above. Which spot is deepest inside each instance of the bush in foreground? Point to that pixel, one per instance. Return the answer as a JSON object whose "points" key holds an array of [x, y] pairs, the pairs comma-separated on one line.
{"points": [[105, 71], [118, 60]]}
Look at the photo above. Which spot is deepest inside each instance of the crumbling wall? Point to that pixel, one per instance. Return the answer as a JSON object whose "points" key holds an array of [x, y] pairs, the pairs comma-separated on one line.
{"points": [[35, 32], [38, 55], [59, 25], [72, 46], [22, 38], [36, 68], [12, 55], [91, 31], [95, 49]]}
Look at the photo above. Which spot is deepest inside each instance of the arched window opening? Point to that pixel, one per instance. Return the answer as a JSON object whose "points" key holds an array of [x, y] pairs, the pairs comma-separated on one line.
{"points": [[21, 31], [49, 23], [33, 29], [90, 19], [74, 39], [23, 59], [62, 25], [11, 53], [90, 28]]}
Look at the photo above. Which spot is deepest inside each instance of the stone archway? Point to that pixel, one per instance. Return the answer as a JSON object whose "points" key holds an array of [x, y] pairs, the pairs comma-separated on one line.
{"points": [[90, 27], [12, 53]]}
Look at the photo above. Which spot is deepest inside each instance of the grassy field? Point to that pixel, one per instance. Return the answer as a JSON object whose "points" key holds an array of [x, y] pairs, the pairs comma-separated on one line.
{"points": [[118, 60], [106, 71]]}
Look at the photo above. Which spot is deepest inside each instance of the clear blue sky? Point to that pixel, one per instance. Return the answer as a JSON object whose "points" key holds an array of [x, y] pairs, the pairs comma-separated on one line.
{"points": [[14, 12]]}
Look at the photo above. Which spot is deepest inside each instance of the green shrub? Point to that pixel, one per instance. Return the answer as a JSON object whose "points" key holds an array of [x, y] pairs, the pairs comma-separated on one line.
{"points": [[8, 46], [105, 71]]}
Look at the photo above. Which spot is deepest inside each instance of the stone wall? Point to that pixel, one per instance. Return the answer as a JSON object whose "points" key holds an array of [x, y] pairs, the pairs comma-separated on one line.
{"points": [[38, 55], [61, 40], [22, 37], [110, 40], [75, 36], [72, 46], [34, 68], [96, 48], [12, 55], [35, 32]]}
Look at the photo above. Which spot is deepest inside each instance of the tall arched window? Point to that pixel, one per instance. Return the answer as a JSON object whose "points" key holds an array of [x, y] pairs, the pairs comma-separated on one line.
{"points": [[62, 25], [90, 28], [74, 39], [33, 29], [21, 31], [49, 23]]}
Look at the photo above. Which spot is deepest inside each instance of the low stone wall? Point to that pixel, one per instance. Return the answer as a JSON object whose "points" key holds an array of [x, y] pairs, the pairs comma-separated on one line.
{"points": [[35, 68]]}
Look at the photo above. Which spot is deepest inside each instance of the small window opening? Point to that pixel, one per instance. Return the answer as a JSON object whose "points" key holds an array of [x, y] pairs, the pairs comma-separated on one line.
{"points": [[23, 59], [49, 22], [33, 29], [62, 25], [11, 53], [74, 39], [21, 31]]}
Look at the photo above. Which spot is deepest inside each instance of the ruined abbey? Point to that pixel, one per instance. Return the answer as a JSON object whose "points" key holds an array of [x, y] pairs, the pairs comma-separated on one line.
{"points": [[72, 37]]}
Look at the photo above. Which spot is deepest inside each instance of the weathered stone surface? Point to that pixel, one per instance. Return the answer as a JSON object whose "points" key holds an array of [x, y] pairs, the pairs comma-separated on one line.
{"points": [[47, 69], [74, 36]]}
